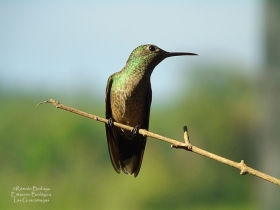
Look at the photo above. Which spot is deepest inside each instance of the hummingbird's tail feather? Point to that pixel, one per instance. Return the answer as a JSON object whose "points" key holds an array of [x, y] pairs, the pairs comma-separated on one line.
{"points": [[131, 153], [126, 153]]}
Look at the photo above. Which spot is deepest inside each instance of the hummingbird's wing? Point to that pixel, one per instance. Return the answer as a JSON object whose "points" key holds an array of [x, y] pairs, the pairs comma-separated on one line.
{"points": [[140, 137], [126, 153], [111, 136]]}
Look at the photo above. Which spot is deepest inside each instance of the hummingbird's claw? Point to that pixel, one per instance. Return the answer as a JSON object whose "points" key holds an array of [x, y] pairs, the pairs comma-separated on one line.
{"points": [[135, 130], [110, 122]]}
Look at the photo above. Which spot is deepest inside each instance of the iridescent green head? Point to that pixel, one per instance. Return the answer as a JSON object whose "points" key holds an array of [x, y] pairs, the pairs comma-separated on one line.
{"points": [[150, 56]]}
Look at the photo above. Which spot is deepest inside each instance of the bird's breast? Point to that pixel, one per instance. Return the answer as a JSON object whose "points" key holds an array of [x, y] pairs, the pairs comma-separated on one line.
{"points": [[129, 104]]}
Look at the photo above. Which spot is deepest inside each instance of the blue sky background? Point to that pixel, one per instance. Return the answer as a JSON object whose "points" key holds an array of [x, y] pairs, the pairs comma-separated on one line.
{"points": [[65, 46]]}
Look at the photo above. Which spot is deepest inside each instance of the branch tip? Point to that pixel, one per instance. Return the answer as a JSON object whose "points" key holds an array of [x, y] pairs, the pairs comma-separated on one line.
{"points": [[43, 102]]}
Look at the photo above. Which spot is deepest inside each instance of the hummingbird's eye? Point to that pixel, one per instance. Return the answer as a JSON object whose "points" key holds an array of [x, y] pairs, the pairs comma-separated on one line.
{"points": [[152, 48]]}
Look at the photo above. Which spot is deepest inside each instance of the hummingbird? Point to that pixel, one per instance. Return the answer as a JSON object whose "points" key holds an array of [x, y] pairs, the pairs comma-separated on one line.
{"points": [[128, 101]]}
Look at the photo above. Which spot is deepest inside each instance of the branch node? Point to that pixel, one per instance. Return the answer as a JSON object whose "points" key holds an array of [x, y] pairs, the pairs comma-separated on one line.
{"points": [[187, 139], [182, 146], [174, 146], [55, 103], [243, 168]]}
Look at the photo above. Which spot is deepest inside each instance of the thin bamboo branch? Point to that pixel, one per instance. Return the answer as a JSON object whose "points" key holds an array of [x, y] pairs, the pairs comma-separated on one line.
{"points": [[244, 169]]}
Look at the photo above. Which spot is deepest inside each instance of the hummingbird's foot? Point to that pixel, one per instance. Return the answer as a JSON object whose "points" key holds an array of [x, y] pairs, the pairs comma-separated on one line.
{"points": [[110, 122], [135, 130]]}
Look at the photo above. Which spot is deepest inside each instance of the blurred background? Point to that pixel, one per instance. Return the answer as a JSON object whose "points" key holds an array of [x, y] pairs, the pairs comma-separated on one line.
{"points": [[228, 96]]}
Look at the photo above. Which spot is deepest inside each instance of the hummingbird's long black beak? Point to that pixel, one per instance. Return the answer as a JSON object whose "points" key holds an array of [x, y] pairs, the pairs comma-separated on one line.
{"points": [[169, 54]]}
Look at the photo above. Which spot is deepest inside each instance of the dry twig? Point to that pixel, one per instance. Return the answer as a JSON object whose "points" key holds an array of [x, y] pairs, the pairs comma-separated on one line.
{"points": [[244, 169]]}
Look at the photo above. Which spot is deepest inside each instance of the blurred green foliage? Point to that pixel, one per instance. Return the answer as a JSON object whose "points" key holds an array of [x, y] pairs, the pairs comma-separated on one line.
{"points": [[67, 153]]}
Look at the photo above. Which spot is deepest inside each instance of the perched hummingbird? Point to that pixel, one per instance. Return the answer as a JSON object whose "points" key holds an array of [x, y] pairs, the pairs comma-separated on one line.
{"points": [[128, 101]]}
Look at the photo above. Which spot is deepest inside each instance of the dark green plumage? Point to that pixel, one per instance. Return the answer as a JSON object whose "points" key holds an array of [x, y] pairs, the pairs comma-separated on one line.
{"points": [[128, 101]]}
